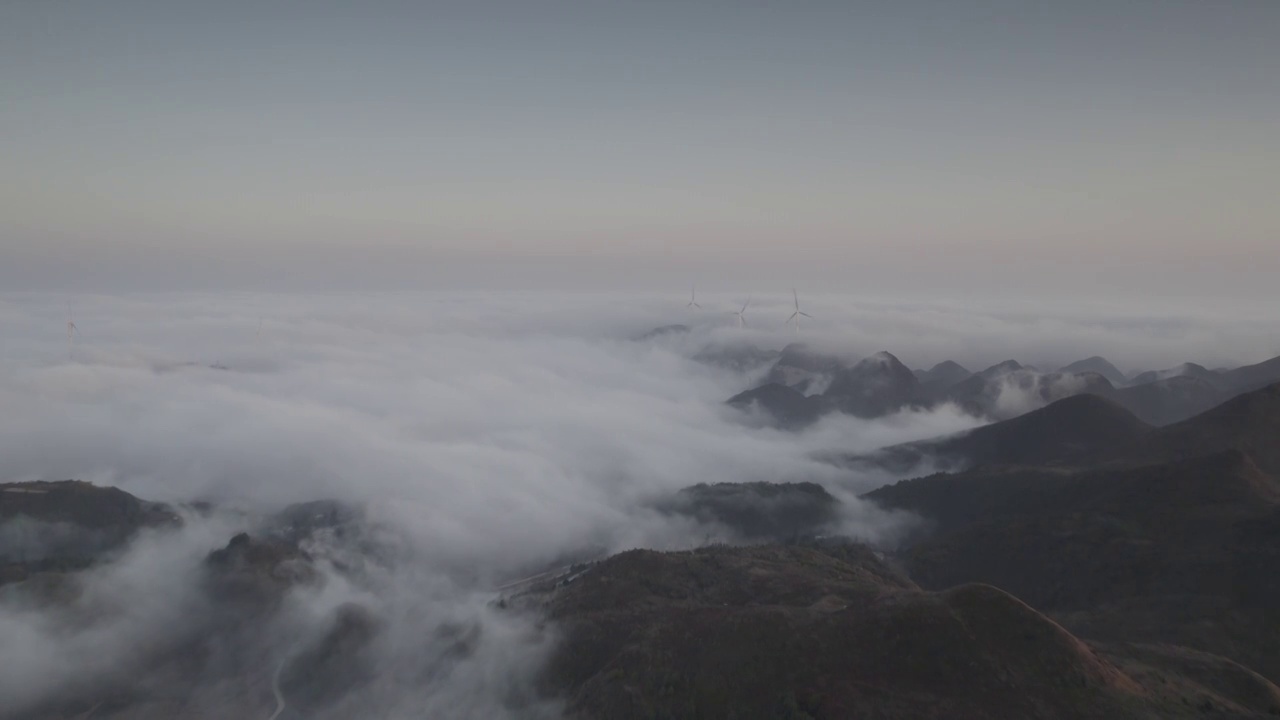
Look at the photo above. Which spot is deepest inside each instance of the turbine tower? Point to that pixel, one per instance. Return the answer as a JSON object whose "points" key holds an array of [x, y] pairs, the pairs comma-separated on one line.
{"points": [[795, 316], [71, 330], [742, 314], [693, 298]]}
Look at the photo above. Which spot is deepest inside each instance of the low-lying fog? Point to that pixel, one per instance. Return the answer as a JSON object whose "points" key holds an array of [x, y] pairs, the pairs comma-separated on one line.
{"points": [[489, 437]]}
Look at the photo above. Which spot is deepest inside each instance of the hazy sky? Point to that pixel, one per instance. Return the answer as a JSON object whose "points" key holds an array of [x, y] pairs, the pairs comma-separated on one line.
{"points": [[892, 145]]}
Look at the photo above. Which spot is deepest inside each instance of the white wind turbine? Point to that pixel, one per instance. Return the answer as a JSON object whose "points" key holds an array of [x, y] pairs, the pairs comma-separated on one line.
{"points": [[742, 314], [71, 330], [795, 316], [693, 298]]}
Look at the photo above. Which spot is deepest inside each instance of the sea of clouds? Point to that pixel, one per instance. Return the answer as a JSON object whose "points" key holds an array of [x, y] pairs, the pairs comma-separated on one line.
{"points": [[493, 434]]}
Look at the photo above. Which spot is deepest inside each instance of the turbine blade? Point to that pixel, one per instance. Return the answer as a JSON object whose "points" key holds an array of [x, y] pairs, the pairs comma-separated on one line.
{"points": [[793, 316], [807, 315]]}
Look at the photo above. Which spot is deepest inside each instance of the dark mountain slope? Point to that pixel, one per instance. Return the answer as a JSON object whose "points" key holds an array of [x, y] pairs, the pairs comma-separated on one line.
{"points": [[1008, 390], [794, 632], [1089, 429], [757, 511], [1170, 400], [1068, 428], [790, 408], [1252, 377], [806, 369], [1248, 422], [68, 525], [1183, 552], [80, 503], [876, 386]]}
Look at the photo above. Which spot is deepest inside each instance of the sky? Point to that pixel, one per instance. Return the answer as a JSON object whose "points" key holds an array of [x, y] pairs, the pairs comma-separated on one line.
{"points": [[1028, 147]]}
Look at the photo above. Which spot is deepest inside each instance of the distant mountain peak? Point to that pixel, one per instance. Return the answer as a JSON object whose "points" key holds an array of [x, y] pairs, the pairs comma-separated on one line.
{"points": [[884, 358], [664, 331], [1186, 369], [945, 374], [788, 406], [876, 386], [1002, 368], [948, 366], [1097, 364]]}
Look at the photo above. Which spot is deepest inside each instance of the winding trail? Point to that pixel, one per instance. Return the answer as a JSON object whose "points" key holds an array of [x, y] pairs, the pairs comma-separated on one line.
{"points": [[275, 690]]}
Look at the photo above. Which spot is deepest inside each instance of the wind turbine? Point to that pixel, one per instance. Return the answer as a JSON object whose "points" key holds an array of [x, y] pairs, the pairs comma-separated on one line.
{"points": [[693, 298], [795, 316], [71, 330], [742, 314]]}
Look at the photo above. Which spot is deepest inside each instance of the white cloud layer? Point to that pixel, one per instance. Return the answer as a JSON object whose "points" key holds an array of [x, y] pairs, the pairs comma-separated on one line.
{"points": [[495, 433]]}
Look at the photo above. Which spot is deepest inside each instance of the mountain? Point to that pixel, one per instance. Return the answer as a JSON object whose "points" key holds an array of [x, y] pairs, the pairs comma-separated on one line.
{"points": [[833, 632], [1009, 389], [1005, 392], [881, 384], [1093, 567], [80, 503], [1183, 370], [1174, 395], [1170, 400], [758, 511], [1170, 536], [1078, 433], [944, 373], [870, 388], [935, 381], [1249, 422], [1099, 365], [805, 369], [1252, 377], [1071, 427], [663, 331], [68, 525], [876, 386], [1184, 552], [216, 662], [256, 572], [296, 522], [790, 408], [1002, 368]]}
